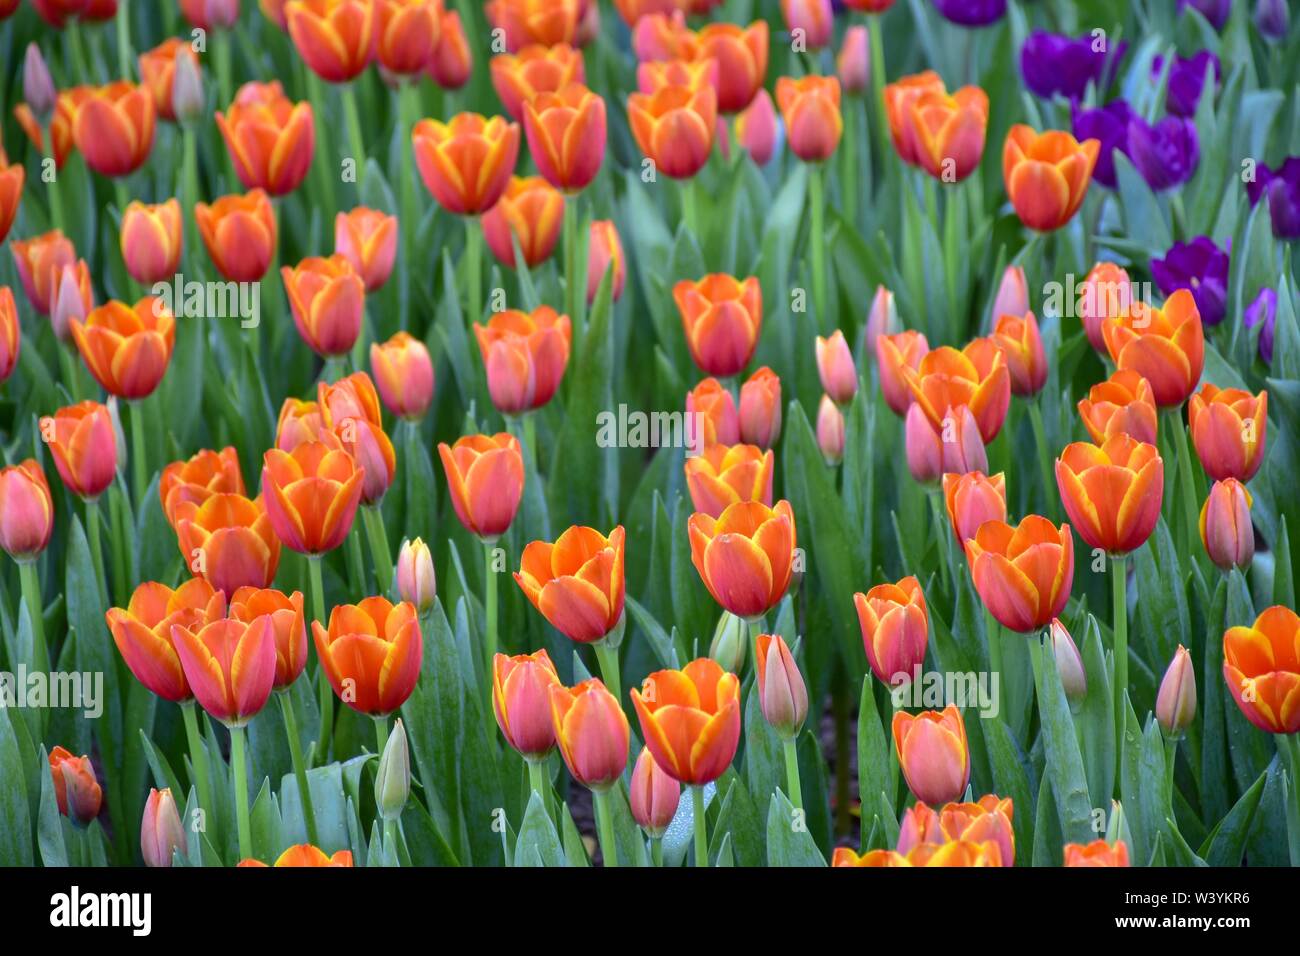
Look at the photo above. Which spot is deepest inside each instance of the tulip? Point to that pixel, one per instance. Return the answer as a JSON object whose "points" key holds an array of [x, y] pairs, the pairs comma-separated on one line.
{"points": [[810, 107], [527, 22], [1013, 294], [663, 35], [451, 62], [288, 627], [633, 10], [1112, 492], [653, 795], [127, 348], [956, 853], [60, 125], [1106, 292], [530, 212], [1229, 431], [158, 69], [517, 78], [11, 335], [371, 654], [114, 128], [367, 238], [466, 163], [1176, 699], [350, 407], [485, 477], [932, 753], [1261, 665], [230, 666], [406, 34], [899, 99], [725, 474], [722, 318], [894, 353], [312, 494], [83, 444], [76, 790], [161, 832], [1052, 64], [187, 97], [577, 582], [333, 37], [782, 694], [1165, 346], [987, 820], [1017, 336], [835, 366], [198, 478], [11, 193], [151, 239], [592, 732], [945, 133], [830, 432], [393, 775], [690, 719], [1166, 153], [605, 253], [1200, 267], [741, 53], [299, 422], [40, 261], [718, 420], [895, 629], [811, 21], [1122, 405], [853, 63], [1273, 19], [757, 128], [521, 700], [228, 540], [1022, 574], [1047, 175], [403, 374], [745, 555], [211, 14], [270, 139], [1069, 663], [972, 499], [71, 298], [653, 75], [1226, 529], [1280, 188], [954, 448], [38, 86], [26, 511], [143, 632], [306, 855], [239, 233], [971, 13], [674, 127], [976, 377], [416, 582], [566, 135], [327, 298], [525, 356], [1109, 125], [760, 409], [1096, 853]]}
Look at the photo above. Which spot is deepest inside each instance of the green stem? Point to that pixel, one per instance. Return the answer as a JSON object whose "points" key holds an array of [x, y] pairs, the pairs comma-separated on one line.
{"points": [[299, 767], [198, 758], [1289, 745], [530, 438], [348, 91], [124, 40], [1044, 455], [657, 851], [1186, 479], [792, 773], [754, 628], [817, 203], [77, 63], [390, 839], [943, 529], [878, 87], [689, 212], [96, 550], [139, 469], [325, 692], [701, 826], [52, 187], [473, 269], [569, 238], [605, 826], [849, 164], [31, 587], [840, 706], [993, 637], [537, 777], [238, 764], [377, 535], [1171, 756], [381, 734], [356, 564], [608, 659], [408, 109], [1119, 623], [189, 186]]}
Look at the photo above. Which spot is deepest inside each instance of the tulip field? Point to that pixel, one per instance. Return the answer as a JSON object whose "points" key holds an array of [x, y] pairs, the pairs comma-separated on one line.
{"points": [[649, 433]]}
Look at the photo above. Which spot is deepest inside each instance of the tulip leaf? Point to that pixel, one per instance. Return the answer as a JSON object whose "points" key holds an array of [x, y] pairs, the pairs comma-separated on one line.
{"points": [[538, 843], [738, 821], [788, 841], [875, 772], [1249, 750], [654, 632], [575, 851], [1095, 720], [1227, 842], [1011, 779], [764, 761], [49, 827], [15, 835], [1048, 845], [1061, 747], [1215, 786]]}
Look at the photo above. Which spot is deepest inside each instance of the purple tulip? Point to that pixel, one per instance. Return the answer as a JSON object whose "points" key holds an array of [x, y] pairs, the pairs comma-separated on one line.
{"points": [[1216, 11], [1109, 125], [1167, 153], [1201, 267], [1052, 63], [1263, 312], [1282, 187], [1186, 80], [1273, 19], [971, 13]]}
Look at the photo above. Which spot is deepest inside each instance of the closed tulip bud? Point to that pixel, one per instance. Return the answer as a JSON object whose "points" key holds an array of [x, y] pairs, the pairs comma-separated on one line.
{"points": [[350, 407], [403, 374], [1069, 663], [945, 132], [1112, 492], [158, 69], [151, 240], [230, 666], [239, 233], [745, 556], [1106, 293], [211, 14], [811, 21], [835, 366], [1047, 175], [521, 700], [653, 795], [1097, 853], [782, 694], [288, 626], [531, 213], [71, 298], [722, 317], [972, 499], [525, 355], [1165, 346], [40, 261], [674, 127], [127, 348], [690, 719], [299, 422], [724, 474], [853, 64], [1176, 699], [1122, 405], [923, 447], [881, 320], [83, 443], [605, 253], [416, 582], [566, 136], [810, 107], [1226, 529], [895, 629], [393, 777], [451, 63], [1013, 295], [517, 78], [406, 34], [367, 238], [327, 299], [1273, 19], [577, 582], [466, 163], [26, 511], [311, 494], [1229, 429], [186, 94], [11, 334], [894, 352], [932, 753], [161, 832], [333, 37], [485, 478], [757, 128], [741, 53], [976, 377], [143, 631], [956, 448], [75, 788], [730, 644], [1023, 574], [228, 540], [592, 732], [38, 86], [830, 431], [198, 478], [1262, 669], [270, 139], [760, 409], [721, 423], [1017, 336], [371, 654]]}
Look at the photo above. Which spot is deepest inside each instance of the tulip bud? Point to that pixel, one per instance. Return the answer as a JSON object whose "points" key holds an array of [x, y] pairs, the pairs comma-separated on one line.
{"points": [[605, 251], [835, 367], [1176, 700], [1012, 297], [1272, 19], [1068, 662], [782, 694], [854, 62], [760, 409], [71, 299], [729, 645], [830, 431], [756, 129], [653, 795], [38, 87], [187, 89], [415, 577], [393, 778], [26, 511], [76, 790], [161, 832], [882, 319], [1226, 529]]}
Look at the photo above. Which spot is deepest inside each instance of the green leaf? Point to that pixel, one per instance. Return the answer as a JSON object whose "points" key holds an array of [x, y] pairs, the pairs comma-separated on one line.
{"points": [[1061, 746], [16, 834], [788, 842], [538, 842], [1227, 843]]}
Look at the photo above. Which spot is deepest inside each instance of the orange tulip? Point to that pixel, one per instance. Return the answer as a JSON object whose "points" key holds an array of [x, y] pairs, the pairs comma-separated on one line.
{"points": [[782, 694], [932, 753], [719, 422], [306, 855], [745, 555], [143, 632], [333, 37], [830, 432], [127, 348], [945, 133], [722, 317], [239, 233], [11, 193], [605, 253], [1226, 529], [955, 448], [371, 654], [899, 99], [76, 790], [1022, 574], [299, 422], [1261, 664], [525, 356], [40, 262], [653, 75], [367, 238], [633, 10], [287, 624], [663, 35], [11, 333], [406, 34], [653, 795], [451, 63], [972, 499], [810, 107], [403, 373], [158, 72], [84, 447], [1112, 492], [725, 474], [270, 138], [350, 407], [566, 135], [690, 719], [895, 629], [976, 377], [114, 128], [894, 353], [1022, 347], [527, 22], [1047, 175], [1229, 430], [197, 479], [521, 700], [956, 853], [26, 510], [674, 127], [530, 212], [228, 540], [466, 163], [230, 666], [1106, 292], [1165, 346], [485, 477], [151, 239], [61, 124], [312, 494], [535, 69], [989, 819], [577, 582], [760, 409], [327, 299], [1096, 853], [1122, 405], [71, 298], [592, 732], [741, 53], [835, 367]]}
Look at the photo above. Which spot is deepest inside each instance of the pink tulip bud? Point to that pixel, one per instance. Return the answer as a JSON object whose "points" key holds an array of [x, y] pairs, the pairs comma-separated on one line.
{"points": [[854, 62], [1012, 297], [882, 319], [1068, 662], [38, 87], [835, 366], [830, 431], [415, 578], [782, 693], [653, 795], [187, 89], [161, 832], [1176, 700], [756, 128]]}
